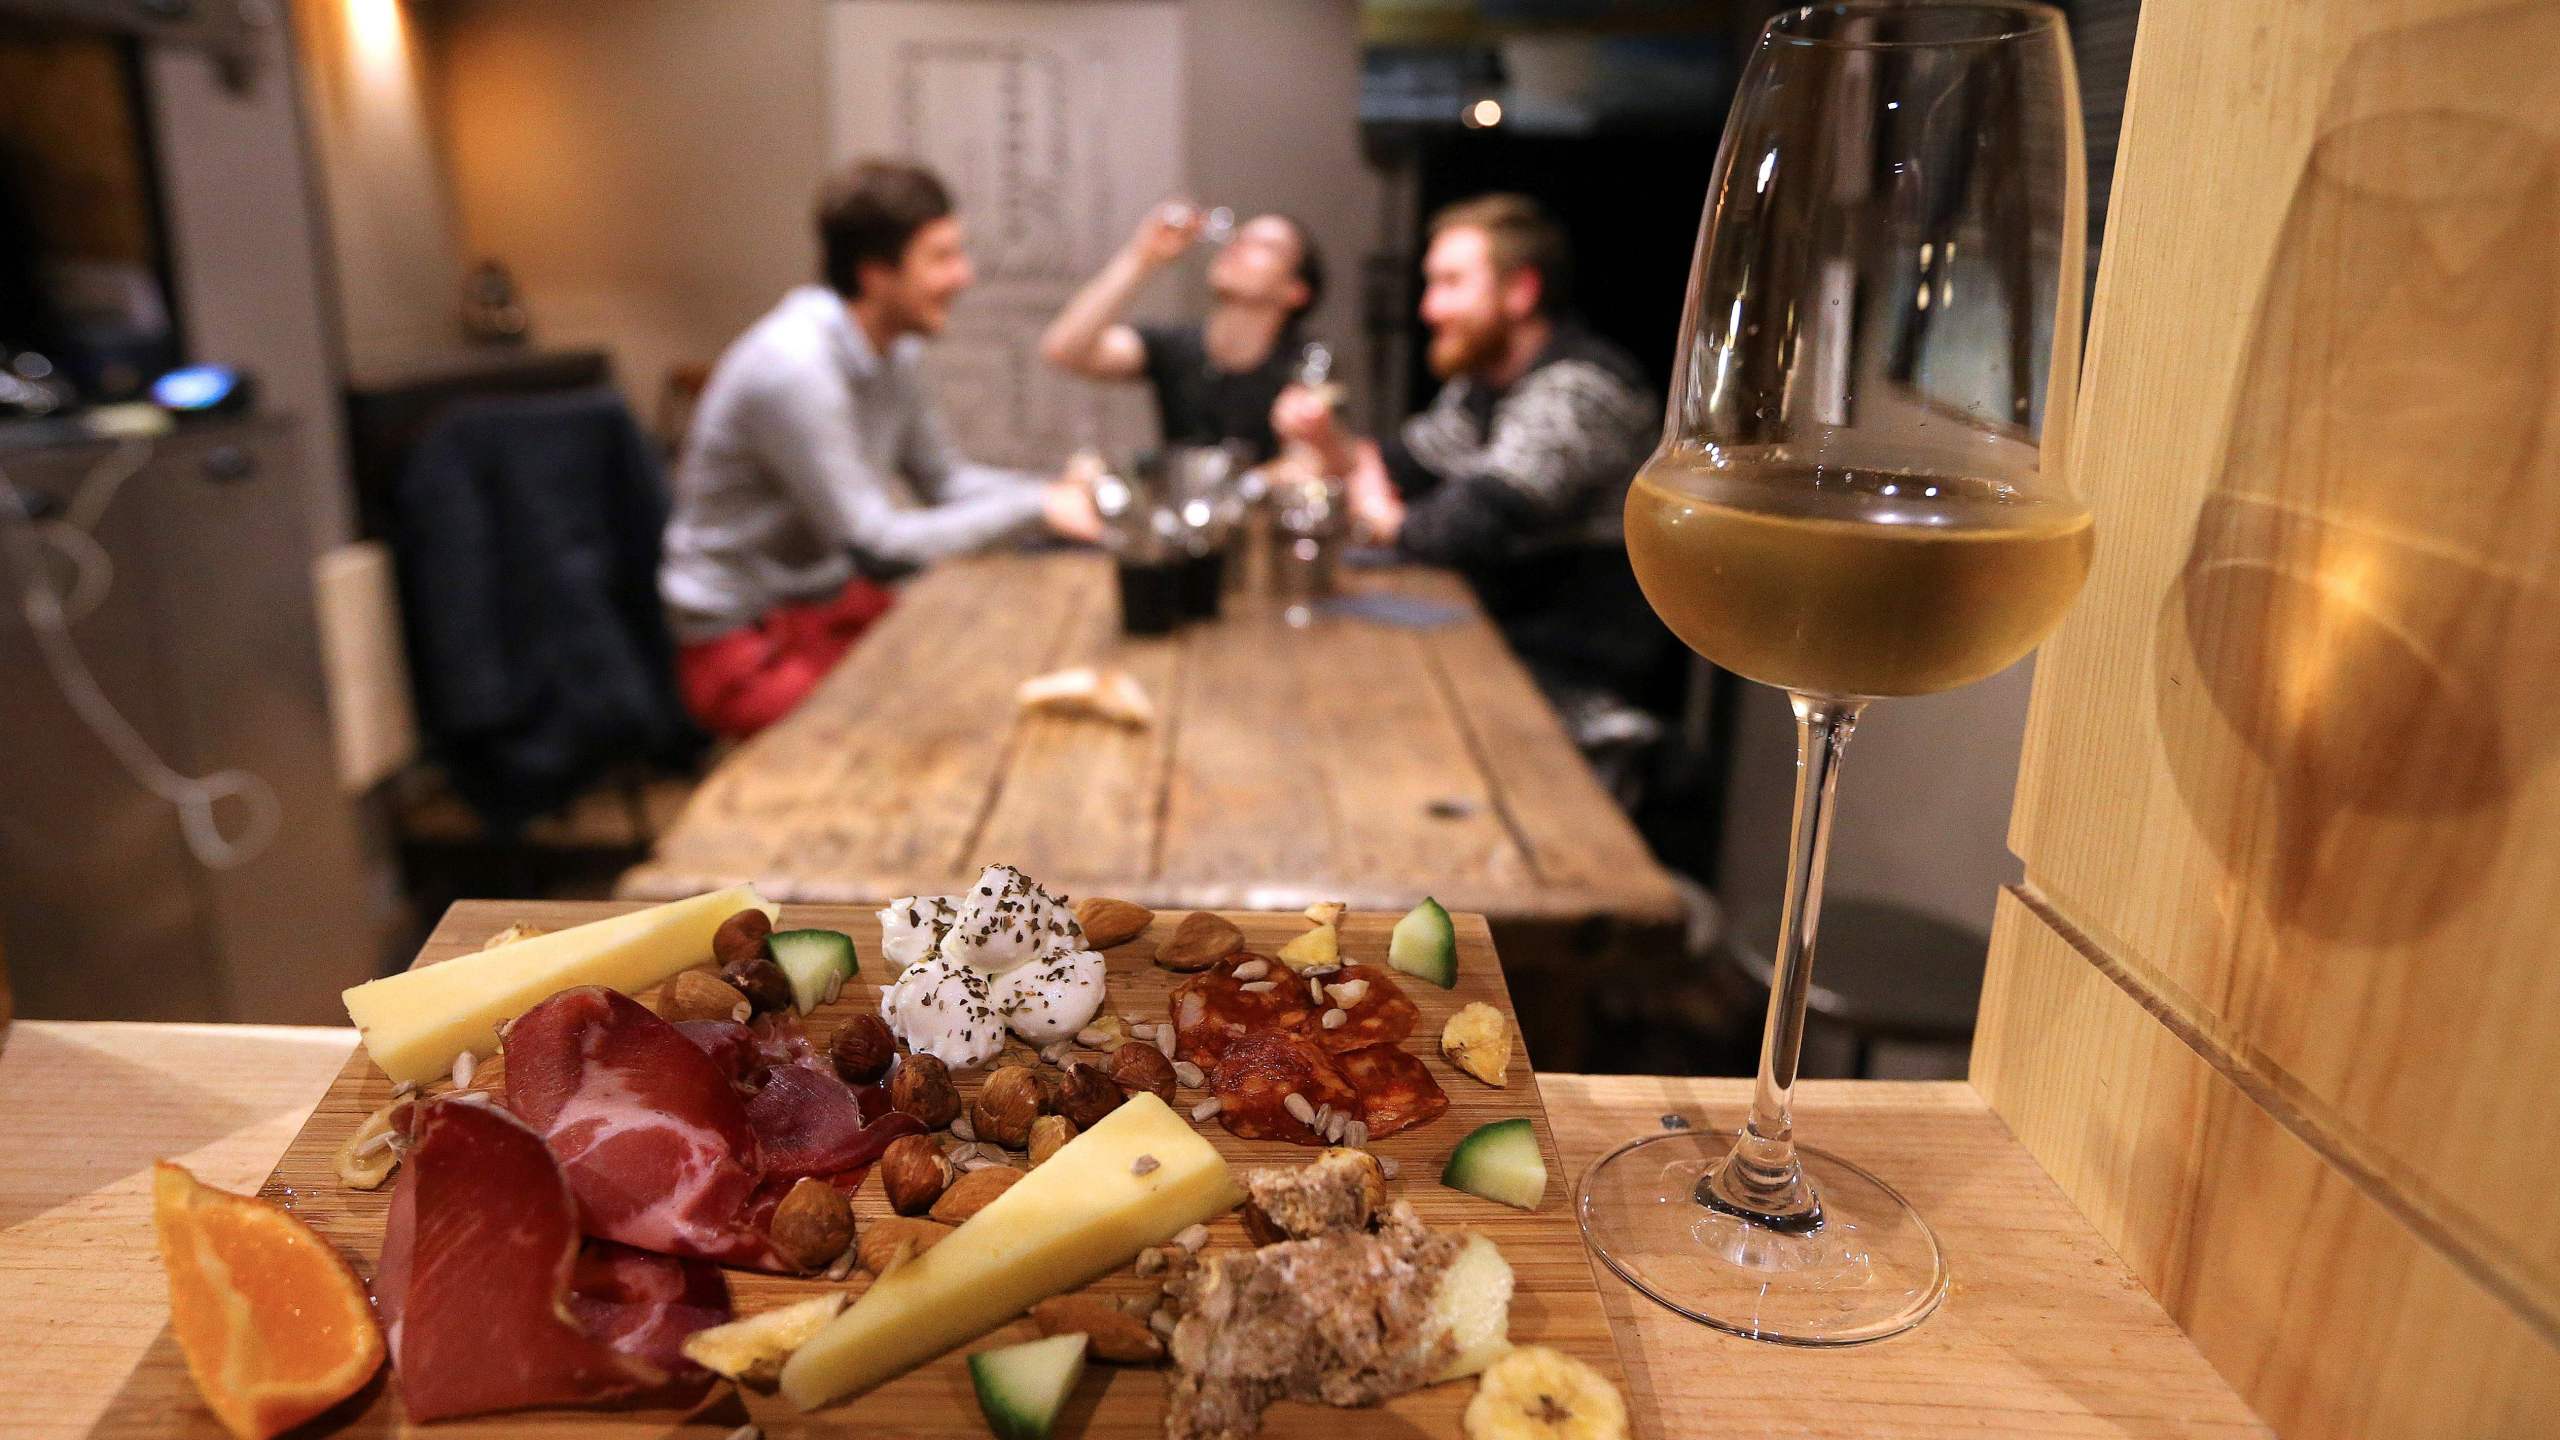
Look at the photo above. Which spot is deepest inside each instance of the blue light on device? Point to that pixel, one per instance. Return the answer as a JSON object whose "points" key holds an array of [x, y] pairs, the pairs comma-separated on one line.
{"points": [[197, 389]]}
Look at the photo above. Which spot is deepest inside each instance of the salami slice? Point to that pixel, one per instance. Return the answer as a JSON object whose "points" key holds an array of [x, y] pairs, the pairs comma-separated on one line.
{"points": [[1213, 1009], [1396, 1090], [1258, 1074], [1380, 1016]]}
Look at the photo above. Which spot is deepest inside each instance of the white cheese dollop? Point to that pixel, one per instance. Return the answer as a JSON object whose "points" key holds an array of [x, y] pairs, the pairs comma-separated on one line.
{"points": [[1006, 920], [942, 1008], [912, 928], [1053, 997]]}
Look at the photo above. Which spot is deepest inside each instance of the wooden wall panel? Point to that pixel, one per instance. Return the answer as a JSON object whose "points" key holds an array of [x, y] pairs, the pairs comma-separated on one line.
{"points": [[2289, 784], [2319, 1303]]}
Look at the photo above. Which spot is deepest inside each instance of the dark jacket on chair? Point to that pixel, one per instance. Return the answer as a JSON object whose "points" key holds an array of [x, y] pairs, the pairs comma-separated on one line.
{"points": [[527, 532]]}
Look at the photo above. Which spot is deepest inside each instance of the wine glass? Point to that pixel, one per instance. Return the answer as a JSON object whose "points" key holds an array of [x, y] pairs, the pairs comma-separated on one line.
{"points": [[1860, 493]]}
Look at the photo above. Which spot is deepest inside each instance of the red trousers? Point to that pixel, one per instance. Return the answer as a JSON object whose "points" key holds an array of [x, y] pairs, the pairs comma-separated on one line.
{"points": [[737, 684]]}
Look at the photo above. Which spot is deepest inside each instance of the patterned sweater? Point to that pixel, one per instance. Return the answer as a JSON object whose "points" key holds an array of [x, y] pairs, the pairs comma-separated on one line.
{"points": [[1523, 490]]}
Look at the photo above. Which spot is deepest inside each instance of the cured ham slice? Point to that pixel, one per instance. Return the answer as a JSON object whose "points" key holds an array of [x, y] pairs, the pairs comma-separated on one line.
{"points": [[1382, 1015], [1396, 1090], [651, 1132], [1258, 1074], [809, 1123], [479, 1275]]}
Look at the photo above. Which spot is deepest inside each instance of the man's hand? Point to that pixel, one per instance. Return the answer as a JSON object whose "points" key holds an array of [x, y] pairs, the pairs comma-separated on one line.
{"points": [[1377, 511], [1304, 415], [1165, 233], [1066, 506]]}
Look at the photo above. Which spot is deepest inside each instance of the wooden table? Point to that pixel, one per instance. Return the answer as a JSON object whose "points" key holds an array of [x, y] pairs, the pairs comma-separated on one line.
{"points": [[2044, 1335], [1352, 761]]}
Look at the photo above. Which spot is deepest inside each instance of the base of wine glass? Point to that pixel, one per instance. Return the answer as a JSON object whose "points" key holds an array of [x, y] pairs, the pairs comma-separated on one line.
{"points": [[1872, 1268]]}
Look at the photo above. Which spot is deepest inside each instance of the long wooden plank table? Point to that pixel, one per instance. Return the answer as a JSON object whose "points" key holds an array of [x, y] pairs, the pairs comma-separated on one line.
{"points": [[1353, 760], [2044, 1335]]}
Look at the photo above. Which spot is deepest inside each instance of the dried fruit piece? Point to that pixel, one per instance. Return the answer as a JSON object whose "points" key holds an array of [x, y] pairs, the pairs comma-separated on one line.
{"points": [[1112, 922], [813, 1224], [1200, 941], [1117, 1335], [1478, 1040], [1318, 949], [751, 1351], [973, 1192], [1537, 1393], [892, 1238], [914, 1172], [274, 1326], [1325, 912]]}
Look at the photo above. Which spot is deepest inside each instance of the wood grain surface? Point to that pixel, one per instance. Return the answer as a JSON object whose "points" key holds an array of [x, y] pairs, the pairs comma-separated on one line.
{"points": [[2289, 785], [1352, 760], [1558, 1302], [2044, 1335]]}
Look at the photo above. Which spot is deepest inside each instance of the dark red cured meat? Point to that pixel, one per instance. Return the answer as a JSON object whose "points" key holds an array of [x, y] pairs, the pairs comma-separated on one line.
{"points": [[645, 1305], [1396, 1090], [809, 1123], [651, 1133], [1213, 1010], [1383, 1016], [1254, 1079], [746, 1052], [475, 1283]]}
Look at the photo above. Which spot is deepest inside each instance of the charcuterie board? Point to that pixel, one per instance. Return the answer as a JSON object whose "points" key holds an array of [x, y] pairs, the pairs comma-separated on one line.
{"points": [[1556, 1303]]}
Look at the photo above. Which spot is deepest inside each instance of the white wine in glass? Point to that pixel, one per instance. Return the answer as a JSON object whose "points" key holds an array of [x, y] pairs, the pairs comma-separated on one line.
{"points": [[1860, 494]]}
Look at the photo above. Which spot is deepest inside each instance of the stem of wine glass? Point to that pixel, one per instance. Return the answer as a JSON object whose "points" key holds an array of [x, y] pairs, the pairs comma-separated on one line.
{"points": [[1760, 1178]]}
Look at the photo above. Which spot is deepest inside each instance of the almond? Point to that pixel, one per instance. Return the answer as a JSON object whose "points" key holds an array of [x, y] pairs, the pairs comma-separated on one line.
{"points": [[1113, 1333], [698, 995], [892, 1238], [1200, 941], [1112, 922], [971, 1193]]}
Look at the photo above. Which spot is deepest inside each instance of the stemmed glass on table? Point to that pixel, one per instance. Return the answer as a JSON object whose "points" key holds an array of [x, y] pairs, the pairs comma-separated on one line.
{"points": [[1860, 493]]}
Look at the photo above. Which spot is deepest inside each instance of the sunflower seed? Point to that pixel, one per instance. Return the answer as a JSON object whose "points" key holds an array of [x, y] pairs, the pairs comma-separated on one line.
{"points": [[1323, 1117], [463, 1065], [961, 1128], [377, 1143], [1387, 1166], [1336, 1018], [1092, 1035], [1192, 1237], [1356, 1134], [1298, 1108], [1349, 992], [405, 1087], [1151, 1261], [1315, 990], [746, 1432], [1260, 987], [1207, 1108], [976, 1162], [1143, 1030], [1188, 1074], [1334, 1126], [481, 1098], [1164, 1042], [740, 1011], [843, 1266], [1253, 969], [1054, 1053], [1161, 1322], [1145, 1165]]}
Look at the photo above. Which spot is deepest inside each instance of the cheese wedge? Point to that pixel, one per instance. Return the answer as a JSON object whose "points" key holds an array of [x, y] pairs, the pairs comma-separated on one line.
{"points": [[413, 1024], [1086, 1210]]}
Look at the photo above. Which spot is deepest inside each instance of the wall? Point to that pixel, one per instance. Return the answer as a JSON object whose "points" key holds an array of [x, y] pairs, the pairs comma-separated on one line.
{"points": [[368, 72], [645, 166]]}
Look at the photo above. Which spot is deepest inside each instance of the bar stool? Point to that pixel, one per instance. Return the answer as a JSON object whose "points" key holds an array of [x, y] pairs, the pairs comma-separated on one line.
{"points": [[1882, 972]]}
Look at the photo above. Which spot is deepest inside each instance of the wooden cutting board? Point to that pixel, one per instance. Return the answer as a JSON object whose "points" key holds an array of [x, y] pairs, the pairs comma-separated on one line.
{"points": [[1557, 1302]]}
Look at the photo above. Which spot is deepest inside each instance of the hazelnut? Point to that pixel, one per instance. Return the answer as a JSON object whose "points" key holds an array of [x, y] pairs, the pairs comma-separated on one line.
{"points": [[921, 1086], [1085, 1095], [761, 981], [813, 1225], [913, 1173], [740, 937], [1006, 1106], [698, 995], [863, 1050], [1143, 1067], [891, 1239], [1049, 1135]]}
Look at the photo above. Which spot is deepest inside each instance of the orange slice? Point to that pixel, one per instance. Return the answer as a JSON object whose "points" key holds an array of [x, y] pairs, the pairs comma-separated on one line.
{"points": [[275, 1327]]}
